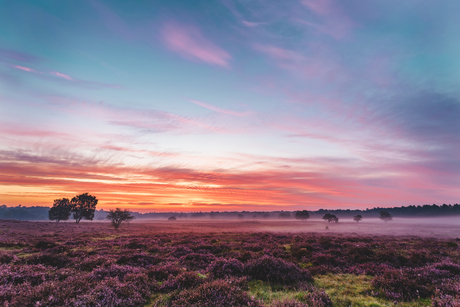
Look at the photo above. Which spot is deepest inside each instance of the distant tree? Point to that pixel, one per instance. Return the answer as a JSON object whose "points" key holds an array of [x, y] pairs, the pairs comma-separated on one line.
{"points": [[284, 215], [385, 216], [172, 218], [266, 215], [60, 210], [302, 215], [240, 215], [83, 207], [330, 218], [118, 217], [357, 218]]}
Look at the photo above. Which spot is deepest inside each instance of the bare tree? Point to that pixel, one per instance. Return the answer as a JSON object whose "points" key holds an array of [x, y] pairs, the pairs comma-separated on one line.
{"points": [[118, 217]]}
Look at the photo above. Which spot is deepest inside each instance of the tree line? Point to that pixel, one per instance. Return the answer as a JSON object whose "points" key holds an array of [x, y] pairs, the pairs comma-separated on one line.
{"points": [[305, 215], [41, 213]]}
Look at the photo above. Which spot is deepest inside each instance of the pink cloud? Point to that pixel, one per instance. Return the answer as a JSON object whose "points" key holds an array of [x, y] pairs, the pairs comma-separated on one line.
{"points": [[189, 42], [61, 75], [24, 68], [333, 21], [220, 110]]}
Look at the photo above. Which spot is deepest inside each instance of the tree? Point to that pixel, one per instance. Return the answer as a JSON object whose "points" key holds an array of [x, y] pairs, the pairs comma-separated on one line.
{"points": [[330, 218], [284, 215], [385, 216], [302, 215], [172, 218], [118, 217], [357, 218], [83, 206], [60, 210]]}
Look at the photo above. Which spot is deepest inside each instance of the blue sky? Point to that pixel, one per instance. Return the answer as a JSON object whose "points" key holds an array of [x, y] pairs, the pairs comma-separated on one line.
{"points": [[230, 105]]}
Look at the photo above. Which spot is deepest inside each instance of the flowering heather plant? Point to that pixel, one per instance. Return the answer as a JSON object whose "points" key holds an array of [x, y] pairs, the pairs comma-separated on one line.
{"points": [[196, 261], [275, 270], [6, 258], [224, 268], [409, 284], [140, 259], [114, 270], [163, 272], [217, 293], [182, 281], [63, 264], [181, 250]]}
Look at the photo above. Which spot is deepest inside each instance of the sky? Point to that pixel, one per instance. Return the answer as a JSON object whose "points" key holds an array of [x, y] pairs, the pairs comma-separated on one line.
{"points": [[224, 105]]}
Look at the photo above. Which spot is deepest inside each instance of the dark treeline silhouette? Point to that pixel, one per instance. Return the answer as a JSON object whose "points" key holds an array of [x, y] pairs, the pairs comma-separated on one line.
{"points": [[41, 213]]}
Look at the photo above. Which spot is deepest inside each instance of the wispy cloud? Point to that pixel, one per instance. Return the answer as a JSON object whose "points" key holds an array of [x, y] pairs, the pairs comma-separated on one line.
{"points": [[189, 42], [332, 19], [220, 110], [61, 75], [7, 55], [23, 68]]}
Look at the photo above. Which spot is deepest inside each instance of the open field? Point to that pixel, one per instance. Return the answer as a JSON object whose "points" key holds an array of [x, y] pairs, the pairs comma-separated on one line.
{"points": [[230, 263]]}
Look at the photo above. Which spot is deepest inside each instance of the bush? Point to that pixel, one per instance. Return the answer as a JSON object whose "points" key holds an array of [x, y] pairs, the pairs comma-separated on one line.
{"points": [[112, 271], [196, 261], [185, 280], [224, 268], [275, 270], [218, 293], [161, 273], [409, 284], [6, 258], [141, 260]]}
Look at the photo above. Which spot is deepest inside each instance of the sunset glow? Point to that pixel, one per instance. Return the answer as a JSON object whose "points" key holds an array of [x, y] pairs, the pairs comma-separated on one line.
{"points": [[230, 105]]}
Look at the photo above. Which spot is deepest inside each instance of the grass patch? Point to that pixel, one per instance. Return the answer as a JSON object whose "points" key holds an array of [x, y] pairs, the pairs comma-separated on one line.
{"points": [[158, 300], [267, 294], [356, 290]]}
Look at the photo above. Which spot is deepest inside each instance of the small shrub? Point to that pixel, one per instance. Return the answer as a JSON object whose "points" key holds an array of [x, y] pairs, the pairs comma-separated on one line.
{"points": [[223, 268], [161, 273], [218, 293], [140, 259], [196, 261], [182, 281], [275, 270]]}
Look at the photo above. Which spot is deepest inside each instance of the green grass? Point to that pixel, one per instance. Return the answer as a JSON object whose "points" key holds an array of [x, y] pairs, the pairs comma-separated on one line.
{"points": [[344, 291], [267, 294], [356, 290]]}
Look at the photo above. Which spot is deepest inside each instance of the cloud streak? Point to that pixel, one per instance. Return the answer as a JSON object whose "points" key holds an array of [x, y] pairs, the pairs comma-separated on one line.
{"points": [[189, 42], [220, 110]]}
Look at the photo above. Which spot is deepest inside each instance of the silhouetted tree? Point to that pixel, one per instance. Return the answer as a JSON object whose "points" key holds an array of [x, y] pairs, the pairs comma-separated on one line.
{"points": [[302, 215], [240, 215], [385, 216], [330, 218], [118, 217], [357, 218], [60, 210], [172, 218], [83, 206], [284, 215]]}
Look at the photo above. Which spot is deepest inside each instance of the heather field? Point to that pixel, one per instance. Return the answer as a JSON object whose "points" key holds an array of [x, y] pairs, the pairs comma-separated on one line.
{"points": [[230, 263]]}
